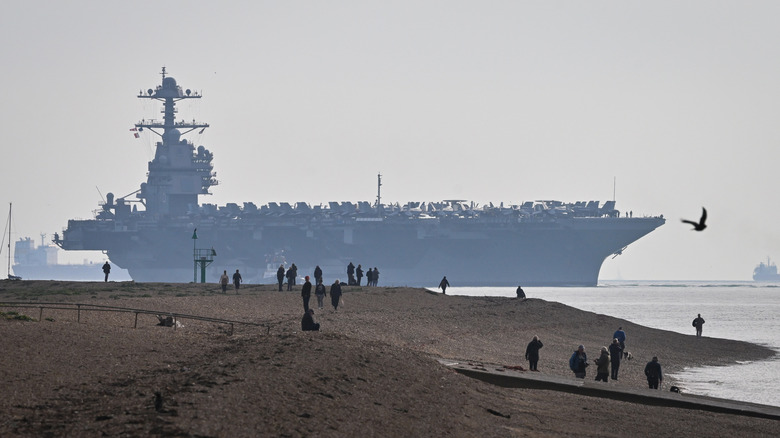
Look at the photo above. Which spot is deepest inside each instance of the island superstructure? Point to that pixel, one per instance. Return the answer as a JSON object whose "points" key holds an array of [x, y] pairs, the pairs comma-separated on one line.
{"points": [[535, 243]]}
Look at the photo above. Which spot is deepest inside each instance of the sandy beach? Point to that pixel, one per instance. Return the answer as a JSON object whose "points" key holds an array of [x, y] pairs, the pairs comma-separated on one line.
{"points": [[370, 371]]}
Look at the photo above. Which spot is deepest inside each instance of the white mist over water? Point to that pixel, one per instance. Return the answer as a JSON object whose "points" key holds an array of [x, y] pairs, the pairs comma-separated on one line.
{"points": [[744, 311]]}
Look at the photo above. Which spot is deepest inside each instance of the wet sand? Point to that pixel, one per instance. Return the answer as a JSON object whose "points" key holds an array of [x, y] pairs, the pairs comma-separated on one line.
{"points": [[371, 371]]}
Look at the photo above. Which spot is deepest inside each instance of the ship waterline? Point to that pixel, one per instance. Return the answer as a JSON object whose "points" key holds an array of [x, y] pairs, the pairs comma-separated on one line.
{"points": [[539, 243]]}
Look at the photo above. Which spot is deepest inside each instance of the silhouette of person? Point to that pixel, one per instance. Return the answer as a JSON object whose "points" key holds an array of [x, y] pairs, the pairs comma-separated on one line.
{"points": [[290, 278], [359, 273], [443, 285], [350, 274], [280, 276], [375, 276], [106, 270], [317, 274], [237, 279], [520, 293], [698, 323]]}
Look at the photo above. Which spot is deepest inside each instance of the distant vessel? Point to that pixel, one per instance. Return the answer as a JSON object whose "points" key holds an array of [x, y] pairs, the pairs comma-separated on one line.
{"points": [[766, 272], [536, 243], [40, 263]]}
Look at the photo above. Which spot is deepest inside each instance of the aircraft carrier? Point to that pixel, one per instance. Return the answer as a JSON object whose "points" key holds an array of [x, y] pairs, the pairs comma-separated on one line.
{"points": [[152, 231]]}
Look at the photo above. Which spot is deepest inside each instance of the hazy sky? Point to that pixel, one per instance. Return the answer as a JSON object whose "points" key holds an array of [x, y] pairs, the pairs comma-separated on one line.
{"points": [[676, 101]]}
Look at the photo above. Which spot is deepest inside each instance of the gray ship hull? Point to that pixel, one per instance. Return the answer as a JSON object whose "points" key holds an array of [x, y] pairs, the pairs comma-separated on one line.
{"points": [[564, 252]]}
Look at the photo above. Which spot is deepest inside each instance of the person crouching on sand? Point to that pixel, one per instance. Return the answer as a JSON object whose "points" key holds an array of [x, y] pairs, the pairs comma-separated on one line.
{"points": [[307, 322], [578, 362]]}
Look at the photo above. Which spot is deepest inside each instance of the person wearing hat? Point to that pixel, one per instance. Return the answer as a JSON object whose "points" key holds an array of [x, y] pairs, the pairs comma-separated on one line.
{"points": [[578, 362], [306, 294], [653, 373], [307, 322]]}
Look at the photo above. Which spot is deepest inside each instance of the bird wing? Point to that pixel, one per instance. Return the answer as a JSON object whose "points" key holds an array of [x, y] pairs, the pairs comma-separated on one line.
{"points": [[689, 222], [703, 216]]}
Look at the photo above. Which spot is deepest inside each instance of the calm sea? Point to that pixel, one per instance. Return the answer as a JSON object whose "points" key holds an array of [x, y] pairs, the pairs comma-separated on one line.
{"points": [[745, 311]]}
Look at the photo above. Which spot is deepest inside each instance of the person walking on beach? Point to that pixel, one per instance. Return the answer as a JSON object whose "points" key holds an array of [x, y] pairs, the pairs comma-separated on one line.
{"points": [[578, 362], [237, 279], [290, 278], [620, 335], [520, 293], [224, 280], [532, 353], [698, 323], [295, 273], [653, 373], [280, 276], [443, 285], [615, 353], [375, 276], [319, 292], [317, 275], [359, 273], [306, 294], [307, 322], [335, 294], [106, 270], [602, 365]]}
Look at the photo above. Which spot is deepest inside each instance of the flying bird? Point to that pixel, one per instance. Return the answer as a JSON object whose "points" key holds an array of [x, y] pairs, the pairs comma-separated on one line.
{"points": [[698, 226]]}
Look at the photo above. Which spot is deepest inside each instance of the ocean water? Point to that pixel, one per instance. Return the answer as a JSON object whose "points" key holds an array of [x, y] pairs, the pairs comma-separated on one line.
{"points": [[745, 311]]}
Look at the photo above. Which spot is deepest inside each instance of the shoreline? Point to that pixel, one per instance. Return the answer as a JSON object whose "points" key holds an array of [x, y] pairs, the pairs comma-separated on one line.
{"points": [[382, 336]]}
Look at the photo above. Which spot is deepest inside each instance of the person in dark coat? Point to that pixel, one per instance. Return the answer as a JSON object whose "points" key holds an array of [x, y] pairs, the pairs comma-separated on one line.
{"points": [[443, 285], [237, 279], [290, 278], [653, 373], [307, 322], [306, 294], [369, 277], [319, 292], [335, 294], [280, 276], [578, 362], [295, 273], [106, 270], [698, 323], [350, 274], [375, 276], [532, 353], [520, 293], [359, 274], [615, 354], [602, 364], [317, 274]]}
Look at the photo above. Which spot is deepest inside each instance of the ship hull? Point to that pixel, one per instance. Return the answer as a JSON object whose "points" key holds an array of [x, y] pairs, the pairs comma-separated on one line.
{"points": [[561, 252], [86, 272]]}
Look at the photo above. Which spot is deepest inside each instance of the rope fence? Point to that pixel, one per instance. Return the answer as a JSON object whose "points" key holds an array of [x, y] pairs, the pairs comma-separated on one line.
{"points": [[78, 307]]}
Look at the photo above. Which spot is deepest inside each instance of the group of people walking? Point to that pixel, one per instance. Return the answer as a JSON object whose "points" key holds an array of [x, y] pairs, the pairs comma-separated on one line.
{"points": [[224, 279], [609, 360]]}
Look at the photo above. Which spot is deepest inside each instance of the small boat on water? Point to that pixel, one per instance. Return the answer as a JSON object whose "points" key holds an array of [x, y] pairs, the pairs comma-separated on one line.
{"points": [[766, 272]]}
